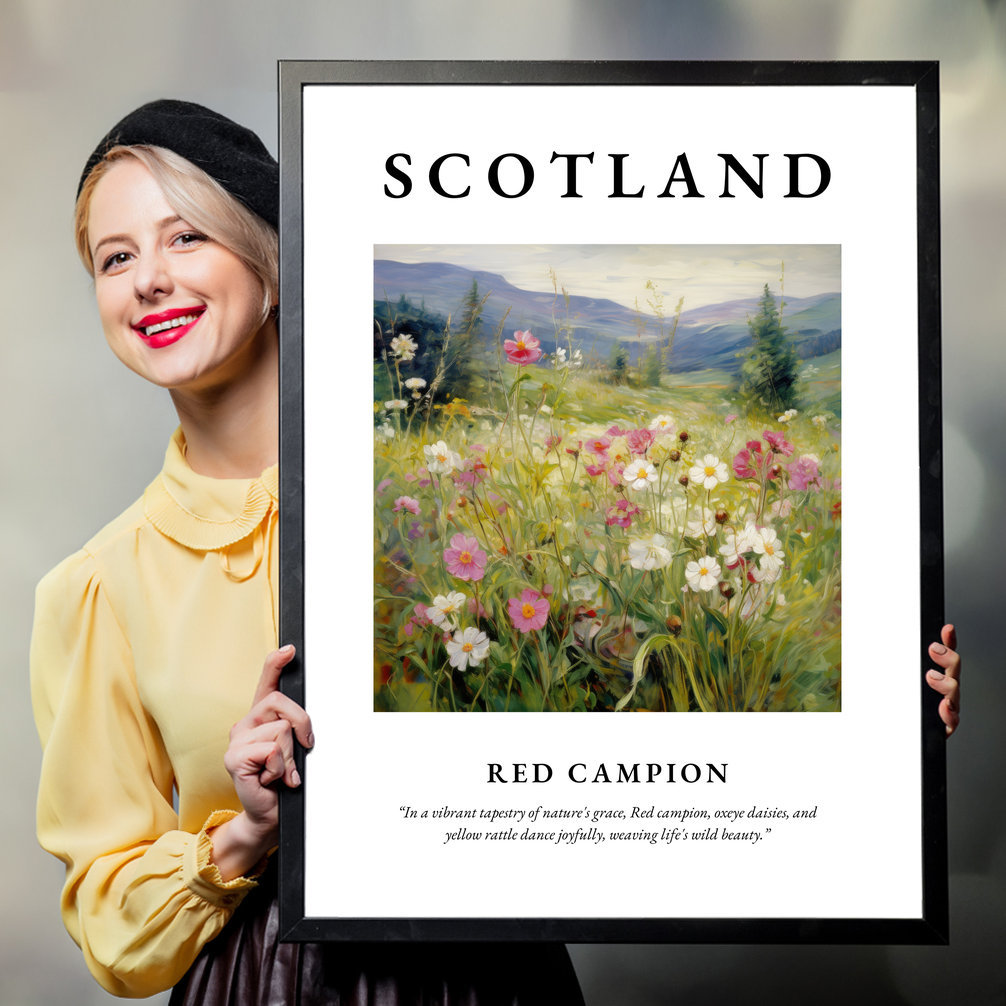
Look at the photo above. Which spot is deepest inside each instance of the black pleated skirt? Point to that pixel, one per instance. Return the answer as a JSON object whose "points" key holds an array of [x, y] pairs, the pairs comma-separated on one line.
{"points": [[246, 965]]}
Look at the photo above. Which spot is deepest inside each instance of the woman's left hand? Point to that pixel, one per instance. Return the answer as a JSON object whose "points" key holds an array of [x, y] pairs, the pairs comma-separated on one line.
{"points": [[948, 681]]}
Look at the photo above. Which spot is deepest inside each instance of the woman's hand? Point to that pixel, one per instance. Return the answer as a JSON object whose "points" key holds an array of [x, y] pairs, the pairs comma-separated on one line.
{"points": [[948, 681], [260, 753]]}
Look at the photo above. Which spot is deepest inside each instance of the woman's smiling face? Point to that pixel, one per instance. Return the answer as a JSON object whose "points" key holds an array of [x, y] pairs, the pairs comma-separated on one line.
{"points": [[177, 308]]}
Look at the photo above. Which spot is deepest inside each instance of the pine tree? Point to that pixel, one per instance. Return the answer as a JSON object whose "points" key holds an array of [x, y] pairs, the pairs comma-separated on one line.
{"points": [[461, 374], [619, 362], [769, 374], [471, 312]]}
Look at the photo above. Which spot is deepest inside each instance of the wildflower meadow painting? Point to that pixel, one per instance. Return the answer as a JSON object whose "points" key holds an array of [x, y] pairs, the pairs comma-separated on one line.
{"points": [[607, 478]]}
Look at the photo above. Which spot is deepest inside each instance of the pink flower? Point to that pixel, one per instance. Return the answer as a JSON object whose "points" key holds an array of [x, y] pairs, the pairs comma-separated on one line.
{"points": [[475, 607], [640, 440], [742, 465], [529, 611], [596, 470], [465, 559], [477, 473], [522, 348], [779, 443], [615, 475], [802, 473], [598, 446], [407, 503], [382, 485], [749, 463], [616, 431], [553, 442], [418, 620], [729, 419], [621, 514]]}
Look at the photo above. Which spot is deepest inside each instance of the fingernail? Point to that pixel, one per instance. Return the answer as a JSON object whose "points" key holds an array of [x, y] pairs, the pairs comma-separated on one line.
{"points": [[286, 649], [938, 648], [951, 706], [310, 739], [936, 675], [295, 777]]}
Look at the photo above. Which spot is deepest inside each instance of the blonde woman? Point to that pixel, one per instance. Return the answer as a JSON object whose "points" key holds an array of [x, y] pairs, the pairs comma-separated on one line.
{"points": [[165, 736]]}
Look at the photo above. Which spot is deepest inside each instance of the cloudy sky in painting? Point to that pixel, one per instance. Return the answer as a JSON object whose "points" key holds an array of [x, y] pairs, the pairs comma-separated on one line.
{"points": [[703, 274]]}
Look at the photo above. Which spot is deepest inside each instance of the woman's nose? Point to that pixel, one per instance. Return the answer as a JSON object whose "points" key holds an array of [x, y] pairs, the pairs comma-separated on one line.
{"points": [[152, 277]]}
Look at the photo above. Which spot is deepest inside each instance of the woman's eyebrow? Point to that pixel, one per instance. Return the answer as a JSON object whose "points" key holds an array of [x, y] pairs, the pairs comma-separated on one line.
{"points": [[160, 225]]}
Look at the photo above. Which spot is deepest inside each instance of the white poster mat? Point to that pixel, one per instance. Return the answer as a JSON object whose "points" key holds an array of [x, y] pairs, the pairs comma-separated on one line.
{"points": [[861, 855]]}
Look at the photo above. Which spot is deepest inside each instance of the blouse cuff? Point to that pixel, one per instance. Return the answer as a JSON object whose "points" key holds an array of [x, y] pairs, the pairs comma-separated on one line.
{"points": [[202, 876]]}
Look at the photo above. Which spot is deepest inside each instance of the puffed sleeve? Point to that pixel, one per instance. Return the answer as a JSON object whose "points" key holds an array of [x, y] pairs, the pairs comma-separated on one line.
{"points": [[141, 897]]}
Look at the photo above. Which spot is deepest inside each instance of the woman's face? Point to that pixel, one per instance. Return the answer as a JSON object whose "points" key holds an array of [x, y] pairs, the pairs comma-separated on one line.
{"points": [[177, 308]]}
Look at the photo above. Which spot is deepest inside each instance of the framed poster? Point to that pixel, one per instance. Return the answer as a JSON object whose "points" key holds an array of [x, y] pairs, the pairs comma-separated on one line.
{"points": [[569, 426]]}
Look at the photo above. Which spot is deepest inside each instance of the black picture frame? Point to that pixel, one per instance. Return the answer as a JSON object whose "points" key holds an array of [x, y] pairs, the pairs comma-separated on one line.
{"points": [[931, 927]]}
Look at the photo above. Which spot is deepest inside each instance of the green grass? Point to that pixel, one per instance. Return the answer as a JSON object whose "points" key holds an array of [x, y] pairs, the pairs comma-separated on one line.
{"points": [[615, 637]]}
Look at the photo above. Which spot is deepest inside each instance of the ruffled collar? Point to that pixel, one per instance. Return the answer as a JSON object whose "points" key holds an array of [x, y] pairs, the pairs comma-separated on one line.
{"points": [[203, 513]]}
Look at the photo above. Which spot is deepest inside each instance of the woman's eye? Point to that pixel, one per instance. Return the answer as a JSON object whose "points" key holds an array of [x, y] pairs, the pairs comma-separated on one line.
{"points": [[114, 261], [190, 238]]}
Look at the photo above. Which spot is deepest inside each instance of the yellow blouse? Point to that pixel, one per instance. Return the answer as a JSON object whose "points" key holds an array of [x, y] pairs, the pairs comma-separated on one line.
{"points": [[147, 647]]}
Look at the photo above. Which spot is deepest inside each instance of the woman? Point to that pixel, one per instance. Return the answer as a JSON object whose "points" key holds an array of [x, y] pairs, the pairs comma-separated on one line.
{"points": [[148, 643]]}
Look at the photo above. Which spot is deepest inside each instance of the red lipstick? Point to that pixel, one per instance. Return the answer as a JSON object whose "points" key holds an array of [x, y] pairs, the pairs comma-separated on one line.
{"points": [[165, 324]]}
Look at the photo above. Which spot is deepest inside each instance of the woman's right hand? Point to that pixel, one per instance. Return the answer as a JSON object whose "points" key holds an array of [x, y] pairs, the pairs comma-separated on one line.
{"points": [[259, 754]]}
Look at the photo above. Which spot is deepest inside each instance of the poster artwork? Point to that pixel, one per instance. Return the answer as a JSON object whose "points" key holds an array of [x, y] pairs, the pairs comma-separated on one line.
{"points": [[610, 426]]}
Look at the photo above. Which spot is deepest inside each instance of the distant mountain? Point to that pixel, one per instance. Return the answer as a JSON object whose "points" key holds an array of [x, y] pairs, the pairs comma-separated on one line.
{"points": [[708, 336]]}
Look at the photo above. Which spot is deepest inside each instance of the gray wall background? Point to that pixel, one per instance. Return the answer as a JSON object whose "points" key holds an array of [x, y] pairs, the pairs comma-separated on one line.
{"points": [[82, 436]]}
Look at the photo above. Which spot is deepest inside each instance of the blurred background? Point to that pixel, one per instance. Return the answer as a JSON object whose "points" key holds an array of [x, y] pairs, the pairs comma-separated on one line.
{"points": [[83, 437]]}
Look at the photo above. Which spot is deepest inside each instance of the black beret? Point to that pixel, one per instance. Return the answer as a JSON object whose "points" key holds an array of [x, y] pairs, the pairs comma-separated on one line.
{"points": [[230, 154]]}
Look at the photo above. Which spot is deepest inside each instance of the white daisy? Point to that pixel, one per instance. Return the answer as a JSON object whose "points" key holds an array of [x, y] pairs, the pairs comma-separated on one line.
{"points": [[703, 574], [769, 549], [396, 403], [445, 608], [649, 553], [737, 544], [468, 647], [708, 472], [403, 347], [662, 424], [640, 474], [440, 458], [415, 383]]}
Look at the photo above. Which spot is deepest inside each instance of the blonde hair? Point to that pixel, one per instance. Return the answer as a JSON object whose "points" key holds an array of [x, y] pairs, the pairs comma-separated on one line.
{"points": [[199, 200]]}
